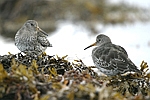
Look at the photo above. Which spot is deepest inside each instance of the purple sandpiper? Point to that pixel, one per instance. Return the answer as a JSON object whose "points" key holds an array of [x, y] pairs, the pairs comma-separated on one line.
{"points": [[31, 39], [111, 59]]}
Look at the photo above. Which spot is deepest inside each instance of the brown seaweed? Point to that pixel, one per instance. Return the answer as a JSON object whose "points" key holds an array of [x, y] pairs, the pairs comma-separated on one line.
{"points": [[25, 77]]}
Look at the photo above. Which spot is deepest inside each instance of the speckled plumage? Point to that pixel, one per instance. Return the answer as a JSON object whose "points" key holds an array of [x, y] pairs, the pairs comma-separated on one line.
{"points": [[31, 39], [111, 59]]}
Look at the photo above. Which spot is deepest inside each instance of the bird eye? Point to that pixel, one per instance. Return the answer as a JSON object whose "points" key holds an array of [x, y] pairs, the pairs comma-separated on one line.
{"points": [[99, 40], [32, 24]]}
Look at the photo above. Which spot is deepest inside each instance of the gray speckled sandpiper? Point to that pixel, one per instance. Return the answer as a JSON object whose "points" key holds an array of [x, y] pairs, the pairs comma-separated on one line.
{"points": [[111, 59], [31, 39]]}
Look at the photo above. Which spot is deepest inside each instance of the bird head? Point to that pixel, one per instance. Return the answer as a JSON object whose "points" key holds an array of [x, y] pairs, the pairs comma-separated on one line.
{"points": [[33, 25], [100, 40]]}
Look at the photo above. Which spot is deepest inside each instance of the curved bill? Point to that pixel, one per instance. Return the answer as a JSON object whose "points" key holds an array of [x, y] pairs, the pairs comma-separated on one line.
{"points": [[42, 31], [94, 44]]}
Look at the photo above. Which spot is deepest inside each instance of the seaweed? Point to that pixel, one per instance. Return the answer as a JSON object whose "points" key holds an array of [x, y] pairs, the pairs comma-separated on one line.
{"points": [[44, 77]]}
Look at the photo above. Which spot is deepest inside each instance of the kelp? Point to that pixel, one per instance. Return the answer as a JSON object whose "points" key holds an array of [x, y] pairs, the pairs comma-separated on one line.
{"points": [[31, 77]]}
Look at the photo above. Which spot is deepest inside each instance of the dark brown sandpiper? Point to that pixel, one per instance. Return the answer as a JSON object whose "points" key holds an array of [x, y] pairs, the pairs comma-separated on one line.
{"points": [[111, 59], [31, 39]]}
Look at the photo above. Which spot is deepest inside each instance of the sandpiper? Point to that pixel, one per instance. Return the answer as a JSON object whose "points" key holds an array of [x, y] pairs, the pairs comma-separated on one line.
{"points": [[111, 59], [31, 39]]}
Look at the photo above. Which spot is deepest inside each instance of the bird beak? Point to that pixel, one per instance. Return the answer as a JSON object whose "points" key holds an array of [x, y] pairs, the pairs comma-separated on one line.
{"points": [[94, 44], [42, 31]]}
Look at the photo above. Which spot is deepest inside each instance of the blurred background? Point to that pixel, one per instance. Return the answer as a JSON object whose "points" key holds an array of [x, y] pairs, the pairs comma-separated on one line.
{"points": [[73, 25]]}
